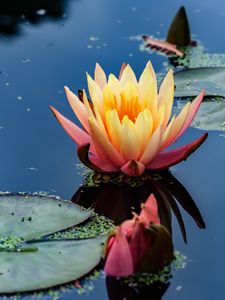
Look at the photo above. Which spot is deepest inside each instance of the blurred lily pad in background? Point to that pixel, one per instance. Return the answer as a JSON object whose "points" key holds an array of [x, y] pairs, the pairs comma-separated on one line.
{"points": [[190, 82], [211, 115]]}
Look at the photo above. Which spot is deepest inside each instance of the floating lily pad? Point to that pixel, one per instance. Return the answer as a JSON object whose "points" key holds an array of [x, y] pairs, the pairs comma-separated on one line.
{"points": [[34, 216], [210, 116], [54, 263], [190, 82]]}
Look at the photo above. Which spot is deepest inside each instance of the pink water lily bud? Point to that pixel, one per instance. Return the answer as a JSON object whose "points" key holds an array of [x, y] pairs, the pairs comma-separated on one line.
{"points": [[127, 123], [138, 245]]}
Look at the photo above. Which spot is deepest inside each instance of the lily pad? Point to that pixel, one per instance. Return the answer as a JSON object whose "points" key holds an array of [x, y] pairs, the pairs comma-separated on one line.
{"points": [[34, 216], [190, 82], [54, 263], [210, 116]]}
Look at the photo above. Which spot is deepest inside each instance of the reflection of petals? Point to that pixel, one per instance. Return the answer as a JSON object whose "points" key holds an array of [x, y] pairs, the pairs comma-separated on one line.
{"points": [[149, 213], [172, 157], [119, 259], [139, 242]]}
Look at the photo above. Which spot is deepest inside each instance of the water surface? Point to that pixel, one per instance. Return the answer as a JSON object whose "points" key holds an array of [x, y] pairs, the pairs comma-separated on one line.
{"points": [[52, 46]]}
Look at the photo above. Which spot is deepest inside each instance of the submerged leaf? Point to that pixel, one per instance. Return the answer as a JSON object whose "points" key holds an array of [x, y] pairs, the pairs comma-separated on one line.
{"points": [[179, 32], [54, 263], [190, 82], [34, 216]]}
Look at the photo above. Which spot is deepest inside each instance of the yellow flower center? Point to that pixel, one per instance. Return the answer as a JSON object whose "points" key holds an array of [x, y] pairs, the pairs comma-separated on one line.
{"points": [[126, 103]]}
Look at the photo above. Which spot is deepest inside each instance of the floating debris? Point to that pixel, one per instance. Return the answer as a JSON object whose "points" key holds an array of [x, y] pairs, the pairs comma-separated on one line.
{"points": [[93, 38], [26, 60], [32, 169], [41, 12]]}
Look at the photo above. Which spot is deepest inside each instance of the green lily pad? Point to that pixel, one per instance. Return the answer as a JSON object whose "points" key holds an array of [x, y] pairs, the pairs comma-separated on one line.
{"points": [[54, 263], [190, 82], [210, 116], [34, 216]]}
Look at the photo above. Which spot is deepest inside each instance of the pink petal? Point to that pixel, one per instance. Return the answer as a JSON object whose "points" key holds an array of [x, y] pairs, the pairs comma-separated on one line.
{"points": [[127, 227], [109, 244], [139, 243], [149, 213], [78, 108], [105, 166], [133, 168], [152, 148], [119, 260], [172, 157], [100, 77], [78, 135], [102, 145], [193, 109], [92, 161], [122, 69]]}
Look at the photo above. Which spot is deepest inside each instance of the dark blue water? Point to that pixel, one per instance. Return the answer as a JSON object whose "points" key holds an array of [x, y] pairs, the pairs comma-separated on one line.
{"points": [[47, 50]]}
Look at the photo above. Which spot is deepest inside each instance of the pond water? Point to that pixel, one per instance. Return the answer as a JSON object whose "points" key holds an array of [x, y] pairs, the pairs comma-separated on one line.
{"points": [[53, 44]]}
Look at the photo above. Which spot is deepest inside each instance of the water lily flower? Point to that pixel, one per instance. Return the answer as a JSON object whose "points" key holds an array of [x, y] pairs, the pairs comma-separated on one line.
{"points": [[127, 125], [138, 245]]}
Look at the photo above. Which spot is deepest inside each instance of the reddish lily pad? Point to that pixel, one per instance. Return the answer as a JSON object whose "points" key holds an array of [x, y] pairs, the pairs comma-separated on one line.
{"points": [[162, 46]]}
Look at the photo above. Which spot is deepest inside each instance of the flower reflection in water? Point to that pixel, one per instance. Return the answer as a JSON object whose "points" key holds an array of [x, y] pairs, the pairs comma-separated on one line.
{"points": [[140, 244], [119, 201], [119, 291]]}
